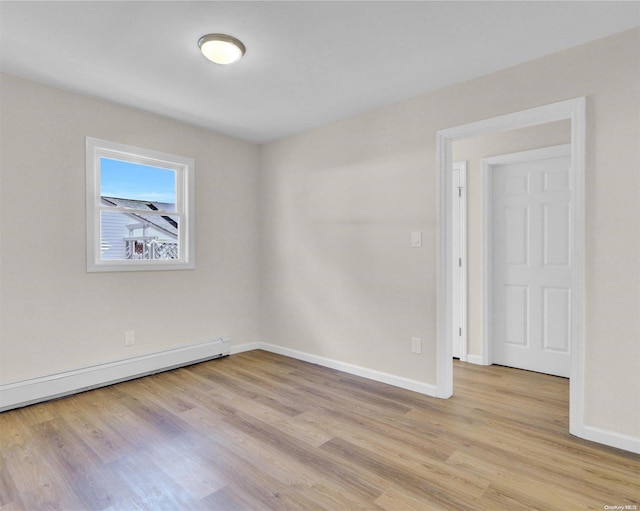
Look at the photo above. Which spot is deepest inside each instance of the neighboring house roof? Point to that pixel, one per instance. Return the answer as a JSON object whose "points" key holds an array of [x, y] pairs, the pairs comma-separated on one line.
{"points": [[165, 223]]}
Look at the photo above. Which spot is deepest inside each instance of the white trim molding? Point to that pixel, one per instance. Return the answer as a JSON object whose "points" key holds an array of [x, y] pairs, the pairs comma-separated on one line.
{"points": [[371, 374], [602, 436], [476, 359], [461, 166], [35, 390], [241, 348], [575, 111]]}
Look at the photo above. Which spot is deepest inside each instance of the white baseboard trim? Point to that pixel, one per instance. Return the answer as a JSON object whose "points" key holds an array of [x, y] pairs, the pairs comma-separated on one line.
{"points": [[475, 359], [612, 439], [371, 374], [26, 392], [241, 348]]}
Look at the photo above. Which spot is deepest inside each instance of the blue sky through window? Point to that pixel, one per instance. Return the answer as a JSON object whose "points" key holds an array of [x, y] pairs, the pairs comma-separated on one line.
{"points": [[127, 180]]}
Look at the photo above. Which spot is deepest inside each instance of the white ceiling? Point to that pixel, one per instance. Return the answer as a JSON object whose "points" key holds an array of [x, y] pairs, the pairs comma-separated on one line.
{"points": [[307, 63]]}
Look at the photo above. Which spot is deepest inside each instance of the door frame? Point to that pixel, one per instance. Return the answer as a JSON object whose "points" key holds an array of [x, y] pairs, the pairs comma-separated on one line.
{"points": [[461, 166], [573, 110], [487, 219]]}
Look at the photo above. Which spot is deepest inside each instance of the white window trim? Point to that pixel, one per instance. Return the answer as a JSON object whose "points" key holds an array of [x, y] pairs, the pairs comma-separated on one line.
{"points": [[184, 168]]}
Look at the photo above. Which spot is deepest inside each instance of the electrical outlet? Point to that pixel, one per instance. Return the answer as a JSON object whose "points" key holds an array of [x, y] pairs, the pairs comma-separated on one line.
{"points": [[129, 337], [416, 345]]}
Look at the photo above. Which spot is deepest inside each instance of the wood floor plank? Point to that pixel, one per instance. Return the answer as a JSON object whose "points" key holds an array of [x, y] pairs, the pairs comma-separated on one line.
{"points": [[242, 471], [70, 457], [262, 395], [438, 489], [9, 494], [83, 416], [261, 432], [421, 460], [36, 414], [230, 402], [342, 475], [154, 387], [229, 498], [528, 482], [39, 484], [188, 469], [293, 474], [149, 486], [138, 429], [395, 500], [14, 431]]}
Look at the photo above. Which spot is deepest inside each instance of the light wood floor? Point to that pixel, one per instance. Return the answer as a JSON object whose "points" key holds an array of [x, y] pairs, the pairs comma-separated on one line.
{"points": [[258, 431]]}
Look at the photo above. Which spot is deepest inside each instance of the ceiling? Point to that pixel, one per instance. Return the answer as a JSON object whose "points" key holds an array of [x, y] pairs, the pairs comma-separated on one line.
{"points": [[307, 63]]}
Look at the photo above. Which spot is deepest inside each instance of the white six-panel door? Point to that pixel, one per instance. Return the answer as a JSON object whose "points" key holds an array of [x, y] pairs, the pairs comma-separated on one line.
{"points": [[531, 262]]}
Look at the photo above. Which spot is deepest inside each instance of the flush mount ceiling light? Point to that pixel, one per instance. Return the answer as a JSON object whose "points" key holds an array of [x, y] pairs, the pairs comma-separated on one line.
{"points": [[221, 48]]}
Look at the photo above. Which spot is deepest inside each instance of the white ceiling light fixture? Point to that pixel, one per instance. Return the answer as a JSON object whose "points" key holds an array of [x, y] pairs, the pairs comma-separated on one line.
{"points": [[221, 48]]}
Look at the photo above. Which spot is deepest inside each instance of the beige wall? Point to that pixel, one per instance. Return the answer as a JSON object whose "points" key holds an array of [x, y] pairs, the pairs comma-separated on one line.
{"points": [[339, 278], [54, 315], [473, 151]]}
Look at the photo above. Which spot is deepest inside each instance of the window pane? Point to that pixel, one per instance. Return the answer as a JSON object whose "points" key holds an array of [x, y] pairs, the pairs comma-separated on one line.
{"points": [[133, 185], [125, 236]]}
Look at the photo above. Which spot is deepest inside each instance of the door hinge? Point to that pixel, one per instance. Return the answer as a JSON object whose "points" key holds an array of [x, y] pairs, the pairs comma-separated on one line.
{"points": [[460, 262], [459, 191], [460, 332]]}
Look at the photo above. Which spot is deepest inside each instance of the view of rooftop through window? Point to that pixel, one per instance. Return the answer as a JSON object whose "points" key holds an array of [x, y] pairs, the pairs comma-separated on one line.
{"points": [[139, 228], [126, 180]]}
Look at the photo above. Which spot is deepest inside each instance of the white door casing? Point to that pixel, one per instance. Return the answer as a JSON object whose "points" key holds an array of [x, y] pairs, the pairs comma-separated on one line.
{"points": [[529, 229], [459, 258], [573, 110]]}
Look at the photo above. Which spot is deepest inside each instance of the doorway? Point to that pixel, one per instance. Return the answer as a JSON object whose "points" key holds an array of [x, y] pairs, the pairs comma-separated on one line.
{"points": [[573, 110]]}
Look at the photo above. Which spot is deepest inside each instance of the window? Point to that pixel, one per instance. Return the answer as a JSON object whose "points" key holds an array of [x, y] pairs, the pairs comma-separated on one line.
{"points": [[139, 209]]}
